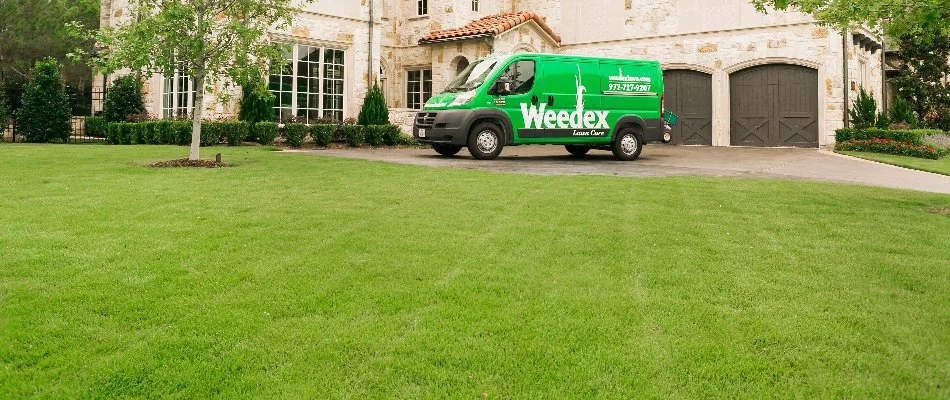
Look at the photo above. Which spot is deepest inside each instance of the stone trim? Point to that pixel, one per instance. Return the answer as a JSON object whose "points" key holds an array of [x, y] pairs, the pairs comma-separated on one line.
{"points": [[696, 34], [687, 66], [771, 60], [294, 39]]}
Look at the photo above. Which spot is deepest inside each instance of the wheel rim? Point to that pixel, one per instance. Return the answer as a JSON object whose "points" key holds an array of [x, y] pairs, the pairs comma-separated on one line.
{"points": [[628, 144], [486, 141]]}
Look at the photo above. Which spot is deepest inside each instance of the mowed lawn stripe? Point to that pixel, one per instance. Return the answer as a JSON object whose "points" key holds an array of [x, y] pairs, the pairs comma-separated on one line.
{"points": [[295, 276]]}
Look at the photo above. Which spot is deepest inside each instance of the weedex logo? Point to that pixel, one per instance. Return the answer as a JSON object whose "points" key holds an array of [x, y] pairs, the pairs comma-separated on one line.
{"points": [[539, 117]]}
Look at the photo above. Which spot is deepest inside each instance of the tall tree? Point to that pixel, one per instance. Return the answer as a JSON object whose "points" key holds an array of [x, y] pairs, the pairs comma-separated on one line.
{"points": [[211, 41], [33, 30], [893, 17]]}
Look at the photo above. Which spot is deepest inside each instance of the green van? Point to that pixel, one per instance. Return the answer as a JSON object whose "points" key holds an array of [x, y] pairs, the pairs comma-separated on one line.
{"points": [[582, 103]]}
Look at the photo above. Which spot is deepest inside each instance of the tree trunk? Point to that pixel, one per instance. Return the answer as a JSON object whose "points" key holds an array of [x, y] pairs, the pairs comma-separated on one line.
{"points": [[196, 117]]}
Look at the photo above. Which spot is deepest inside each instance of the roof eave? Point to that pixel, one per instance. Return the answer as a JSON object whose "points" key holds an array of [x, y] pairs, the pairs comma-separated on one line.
{"points": [[456, 38]]}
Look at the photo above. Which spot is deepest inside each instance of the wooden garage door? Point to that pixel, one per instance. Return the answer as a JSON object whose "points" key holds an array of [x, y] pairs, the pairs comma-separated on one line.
{"points": [[775, 105], [689, 95]]}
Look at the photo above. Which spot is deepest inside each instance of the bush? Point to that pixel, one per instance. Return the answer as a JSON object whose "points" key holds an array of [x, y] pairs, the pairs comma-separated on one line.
{"points": [[295, 133], [373, 134], [150, 132], [123, 99], [265, 132], [374, 110], [135, 133], [45, 114], [915, 136], [354, 134], [901, 113], [182, 132], [256, 103], [392, 135], [95, 127], [112, 132], [235, 132], [322, 134], [888, 146], [863, 111], [125, 133]]}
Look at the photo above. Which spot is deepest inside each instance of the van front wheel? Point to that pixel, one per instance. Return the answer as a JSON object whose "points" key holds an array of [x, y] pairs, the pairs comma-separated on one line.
{"points": [[447, 150], [627, 145], [577, 151], [485, 141]]}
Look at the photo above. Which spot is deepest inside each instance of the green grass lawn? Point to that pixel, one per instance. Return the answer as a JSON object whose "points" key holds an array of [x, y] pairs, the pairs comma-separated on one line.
{"points": [[295, 276], [941, 166]]}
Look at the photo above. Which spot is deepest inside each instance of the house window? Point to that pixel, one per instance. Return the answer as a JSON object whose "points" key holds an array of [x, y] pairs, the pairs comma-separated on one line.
{"points": [[418, 88], [308, 83], [178, 96], [475, 5], [863, 72], [422, 7]]}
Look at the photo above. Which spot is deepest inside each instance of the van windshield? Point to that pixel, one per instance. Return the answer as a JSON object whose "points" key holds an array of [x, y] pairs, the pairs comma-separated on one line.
{"points": [[473, 76]]}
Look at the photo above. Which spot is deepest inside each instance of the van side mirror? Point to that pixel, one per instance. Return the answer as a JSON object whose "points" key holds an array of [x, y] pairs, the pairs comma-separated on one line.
{"points": [[502, 87]]}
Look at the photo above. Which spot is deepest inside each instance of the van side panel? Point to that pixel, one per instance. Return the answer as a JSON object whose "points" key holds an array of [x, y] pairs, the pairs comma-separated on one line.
{"points": [[567, 91], [633, 88]]}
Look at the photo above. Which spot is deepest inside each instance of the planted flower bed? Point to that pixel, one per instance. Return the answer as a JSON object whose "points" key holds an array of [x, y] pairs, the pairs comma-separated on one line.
{"points": [[889, 146]]}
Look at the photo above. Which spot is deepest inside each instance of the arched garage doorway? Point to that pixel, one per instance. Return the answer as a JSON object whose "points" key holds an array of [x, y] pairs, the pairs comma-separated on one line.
{"points": [[689, 96], [774, 105]]}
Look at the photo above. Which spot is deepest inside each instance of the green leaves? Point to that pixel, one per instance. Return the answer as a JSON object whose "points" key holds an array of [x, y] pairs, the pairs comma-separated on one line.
{"points": [[892, 17]]}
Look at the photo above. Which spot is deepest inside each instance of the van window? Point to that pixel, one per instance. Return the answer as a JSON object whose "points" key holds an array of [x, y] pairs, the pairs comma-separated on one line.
{"points": [[521, 76]]}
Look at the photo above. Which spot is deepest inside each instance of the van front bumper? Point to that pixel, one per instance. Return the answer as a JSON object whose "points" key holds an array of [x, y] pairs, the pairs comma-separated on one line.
{"points": [[443, 127]]}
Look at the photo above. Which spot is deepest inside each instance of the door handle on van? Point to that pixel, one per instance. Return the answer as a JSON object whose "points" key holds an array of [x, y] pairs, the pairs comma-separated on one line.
{"points": [[550, 101], [534, 100]]}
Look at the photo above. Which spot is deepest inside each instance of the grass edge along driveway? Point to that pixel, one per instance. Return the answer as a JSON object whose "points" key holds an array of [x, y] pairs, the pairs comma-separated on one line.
{"points": [[308, 277], [941, 166]]}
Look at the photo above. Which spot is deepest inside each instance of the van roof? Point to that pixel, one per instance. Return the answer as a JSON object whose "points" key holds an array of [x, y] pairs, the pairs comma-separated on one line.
{"points": [[573, 57]]}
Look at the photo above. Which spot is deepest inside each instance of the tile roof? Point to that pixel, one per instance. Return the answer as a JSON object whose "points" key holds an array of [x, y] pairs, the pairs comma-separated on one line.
{"points": [[490, 26]]}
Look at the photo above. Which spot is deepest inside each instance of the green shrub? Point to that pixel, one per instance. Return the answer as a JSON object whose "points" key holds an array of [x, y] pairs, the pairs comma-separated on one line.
{"points": [[392, 134], [112, 132], [374, 110], [265, 132], [211, 133], [901, 113], [135, 133], [257, 103], [123, 99], [45, 113], [322, 134], [295, 133], [915, 136], [373, 134], [95, 127], [150, 132], [353, 134], [125, 133], [888, 146], [235, 132], [183, 130], [164, 134], [882, 121], [863, 111]]}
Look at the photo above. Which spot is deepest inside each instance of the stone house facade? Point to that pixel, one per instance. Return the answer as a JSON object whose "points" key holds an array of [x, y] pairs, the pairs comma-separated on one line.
{"points": [[735, 76]]}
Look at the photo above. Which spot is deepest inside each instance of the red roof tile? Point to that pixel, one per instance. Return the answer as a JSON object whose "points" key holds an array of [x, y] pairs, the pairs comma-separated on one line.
{"points": [[490, 26]]}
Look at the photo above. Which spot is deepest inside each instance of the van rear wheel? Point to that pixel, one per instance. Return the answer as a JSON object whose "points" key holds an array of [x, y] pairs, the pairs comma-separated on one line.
{"points": [[577, 150], [627, 145], [447, 150], [485, 141]]}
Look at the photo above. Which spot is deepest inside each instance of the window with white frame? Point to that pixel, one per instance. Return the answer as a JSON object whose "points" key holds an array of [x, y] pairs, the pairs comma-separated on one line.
{"points": [[475, 5], [863, 72], [418, 87], [308, 83], [422, 7], [178, 96]]}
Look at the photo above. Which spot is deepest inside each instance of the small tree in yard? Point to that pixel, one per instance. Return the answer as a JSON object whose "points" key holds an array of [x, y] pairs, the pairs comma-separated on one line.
{"points": [[863, 112], [257, 103], [123, 99], [211, 41], [374, 111], [45, 113]]}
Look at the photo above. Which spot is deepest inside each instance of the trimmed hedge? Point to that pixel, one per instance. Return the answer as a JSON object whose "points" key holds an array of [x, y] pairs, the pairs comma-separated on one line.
{"points": [[322, 134], [915, 136], [373, 134], [888, 146], [265, 132], [295, 134], [392, 135], [95, 127], [176, 132], [354, 135]]}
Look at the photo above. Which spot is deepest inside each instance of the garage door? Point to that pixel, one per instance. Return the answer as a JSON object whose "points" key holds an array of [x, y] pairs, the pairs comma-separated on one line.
{"points": [[689, 95], [774, 105]]}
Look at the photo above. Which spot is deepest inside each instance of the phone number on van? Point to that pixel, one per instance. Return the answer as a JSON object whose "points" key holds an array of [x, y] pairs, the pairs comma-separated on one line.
{"points": [[628, 87]]}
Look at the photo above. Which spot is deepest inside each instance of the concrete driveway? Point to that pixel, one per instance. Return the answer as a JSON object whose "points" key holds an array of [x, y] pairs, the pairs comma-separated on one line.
{"points": [[664, 160]]}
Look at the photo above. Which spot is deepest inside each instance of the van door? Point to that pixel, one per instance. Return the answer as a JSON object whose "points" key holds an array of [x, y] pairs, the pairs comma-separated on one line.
{"points": [[631, 89], [571, 96], [520, 74]]}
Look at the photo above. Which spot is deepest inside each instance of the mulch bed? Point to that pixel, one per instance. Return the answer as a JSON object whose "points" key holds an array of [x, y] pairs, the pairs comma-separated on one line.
{"points": [[184, 162], [940, 211]]}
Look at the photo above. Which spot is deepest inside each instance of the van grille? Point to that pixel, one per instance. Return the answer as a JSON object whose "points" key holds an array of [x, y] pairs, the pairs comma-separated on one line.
{"points": [[425, 119]]}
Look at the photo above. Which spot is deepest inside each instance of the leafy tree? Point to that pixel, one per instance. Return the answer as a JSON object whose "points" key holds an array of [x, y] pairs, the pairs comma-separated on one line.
{"points": [[374, 111], [920, 78], [864, 111], [211, 41], [901, 113], [45, 114], [894, 17], [4, 113], [123, 99], [33, 30], [257, 103]]}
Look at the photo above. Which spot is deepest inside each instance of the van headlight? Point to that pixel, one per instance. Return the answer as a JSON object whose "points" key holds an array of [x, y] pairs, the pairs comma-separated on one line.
{"points": [[462, 99]]}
